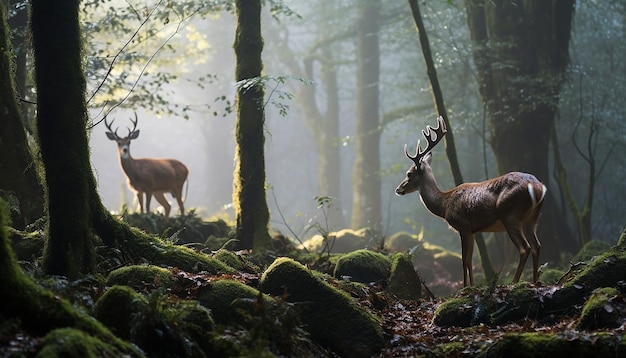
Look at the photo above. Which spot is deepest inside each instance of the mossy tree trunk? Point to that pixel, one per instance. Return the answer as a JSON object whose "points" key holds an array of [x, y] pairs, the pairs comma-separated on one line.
{"points": [[62, 133], [40, 311], [19, 183], [366, 196], [249, 195], [520, 49]]}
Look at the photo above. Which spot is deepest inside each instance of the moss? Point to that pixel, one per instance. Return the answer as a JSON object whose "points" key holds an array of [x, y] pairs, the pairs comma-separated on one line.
{"points": [[116, 307], [551, 276], [140, 276], [71, 342], [403, 280], [226, 299], [159, 252], [363, 266], [600, 311], [591, 249], [238, 262], [457, 311], [452, 349], [38, 309], [533, 345], [605, 270], [331, 316]]}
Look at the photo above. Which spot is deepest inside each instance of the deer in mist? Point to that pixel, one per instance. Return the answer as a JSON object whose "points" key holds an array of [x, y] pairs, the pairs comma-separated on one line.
{"points": [[511, 202], [147, 175]]}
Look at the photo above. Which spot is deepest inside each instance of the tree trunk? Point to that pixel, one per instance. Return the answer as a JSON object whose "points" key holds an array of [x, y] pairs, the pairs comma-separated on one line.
{"points": [[61, 128], [38, 310], [249, 195], [366, 196], [520, 50], [19, 183], [449, 138], [325, 130]]}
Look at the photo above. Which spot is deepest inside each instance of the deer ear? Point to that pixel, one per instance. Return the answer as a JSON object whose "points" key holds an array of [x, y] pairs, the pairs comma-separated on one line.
{"points": [[427, 159], [134, 134], [111, 135]]}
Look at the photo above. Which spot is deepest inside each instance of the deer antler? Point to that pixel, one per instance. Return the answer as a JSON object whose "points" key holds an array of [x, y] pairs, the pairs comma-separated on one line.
{"points": [[134, 124], [108, 125], [438, 132]]}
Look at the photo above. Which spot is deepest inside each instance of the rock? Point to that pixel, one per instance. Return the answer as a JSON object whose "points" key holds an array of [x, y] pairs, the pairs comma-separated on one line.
{"points": [[342, 241], [331, 316], [116, 307], [403, 281], [141, 276], [226, 297], [363, 266]]}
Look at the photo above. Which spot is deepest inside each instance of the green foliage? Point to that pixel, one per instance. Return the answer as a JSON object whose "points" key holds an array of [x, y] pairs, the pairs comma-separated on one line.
{"points": [[167, 326], [271, 85], [136, 70]]}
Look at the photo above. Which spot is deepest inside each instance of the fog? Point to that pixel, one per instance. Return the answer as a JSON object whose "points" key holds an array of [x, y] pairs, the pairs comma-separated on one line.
{"points": [[205, 141]]}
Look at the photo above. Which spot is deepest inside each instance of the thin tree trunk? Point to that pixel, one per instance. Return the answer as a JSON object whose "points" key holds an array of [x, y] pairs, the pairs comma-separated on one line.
{"points": [[366, 197], [449, 138]]}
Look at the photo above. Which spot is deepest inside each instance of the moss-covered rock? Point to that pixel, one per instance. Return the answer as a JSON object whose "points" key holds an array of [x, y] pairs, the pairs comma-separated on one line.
{"points": [[591, 249], [227, 298], [403, 241], [363, 266], [457, 311], [238, 262], [331, 316], [604, 309], [343, 241], [533, 345], [403, 281], [141, 276], [551, 276], [116, 307], [74, 343]]}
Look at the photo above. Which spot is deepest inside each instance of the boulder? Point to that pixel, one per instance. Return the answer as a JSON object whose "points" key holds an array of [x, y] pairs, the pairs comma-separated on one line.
{"points": [[331, 316], [363, 266]]}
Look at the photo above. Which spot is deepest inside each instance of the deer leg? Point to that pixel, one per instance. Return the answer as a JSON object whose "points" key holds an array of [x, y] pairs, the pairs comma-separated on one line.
{"points": [[517, 236], [178, 194], [535, 248], [467, 250], [140, 200], [160, 197], [148, 199]]}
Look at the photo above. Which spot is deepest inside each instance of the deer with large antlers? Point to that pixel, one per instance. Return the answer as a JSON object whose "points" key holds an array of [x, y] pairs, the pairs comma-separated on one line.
{"points": [[150, 176], [511, 202]]}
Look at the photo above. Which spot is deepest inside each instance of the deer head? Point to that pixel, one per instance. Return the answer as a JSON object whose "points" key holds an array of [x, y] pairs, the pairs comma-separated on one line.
{"points": [[422, 158]]}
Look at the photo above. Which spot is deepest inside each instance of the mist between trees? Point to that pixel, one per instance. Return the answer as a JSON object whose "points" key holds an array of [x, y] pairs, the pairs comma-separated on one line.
{"points": [[345, 88]]}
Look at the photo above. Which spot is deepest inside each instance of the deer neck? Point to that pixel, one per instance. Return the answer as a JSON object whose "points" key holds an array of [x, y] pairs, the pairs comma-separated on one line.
{"points": [[128, 164], [432, 197]]}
